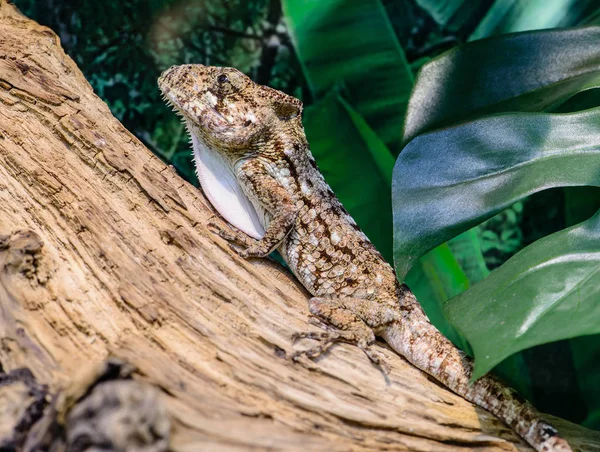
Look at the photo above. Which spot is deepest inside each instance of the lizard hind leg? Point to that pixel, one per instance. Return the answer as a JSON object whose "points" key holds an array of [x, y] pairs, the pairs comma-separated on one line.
{"points": [[342, 319]]}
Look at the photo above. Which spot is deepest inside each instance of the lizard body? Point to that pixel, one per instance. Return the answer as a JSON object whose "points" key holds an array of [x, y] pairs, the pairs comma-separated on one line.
{"points": [[258, 135]]}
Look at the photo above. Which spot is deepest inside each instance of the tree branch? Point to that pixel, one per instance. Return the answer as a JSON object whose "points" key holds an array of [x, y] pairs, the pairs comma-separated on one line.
{"points": [[105, 252]]}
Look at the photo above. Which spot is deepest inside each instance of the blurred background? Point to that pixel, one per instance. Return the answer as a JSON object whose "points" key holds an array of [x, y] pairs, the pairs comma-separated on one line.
{"points": [[353, 63]]}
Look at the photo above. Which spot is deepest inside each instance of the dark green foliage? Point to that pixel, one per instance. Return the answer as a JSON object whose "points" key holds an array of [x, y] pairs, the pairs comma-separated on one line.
{"points": [[364, 61], [354, 63]]}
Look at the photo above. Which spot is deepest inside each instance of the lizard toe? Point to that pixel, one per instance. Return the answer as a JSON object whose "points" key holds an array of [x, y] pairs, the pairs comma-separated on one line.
{"points": [[377, 359]]}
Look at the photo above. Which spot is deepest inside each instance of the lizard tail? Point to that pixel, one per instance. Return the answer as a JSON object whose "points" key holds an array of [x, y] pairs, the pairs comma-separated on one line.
{"points": [[424, 346]]}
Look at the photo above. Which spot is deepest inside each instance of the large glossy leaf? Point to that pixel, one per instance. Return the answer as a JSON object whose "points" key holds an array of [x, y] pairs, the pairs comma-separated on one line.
{"points": [[353, 42], [531, 71], [447, 181], [547, 292], [355, 163], [507, 16]]}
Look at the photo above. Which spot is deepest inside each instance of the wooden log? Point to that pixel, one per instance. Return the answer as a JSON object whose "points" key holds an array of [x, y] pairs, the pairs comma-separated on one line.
{"points": [[104, 252]]}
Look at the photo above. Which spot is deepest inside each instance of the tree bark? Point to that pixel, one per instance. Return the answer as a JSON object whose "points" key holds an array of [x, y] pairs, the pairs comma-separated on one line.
{"points": [[104, 252]]}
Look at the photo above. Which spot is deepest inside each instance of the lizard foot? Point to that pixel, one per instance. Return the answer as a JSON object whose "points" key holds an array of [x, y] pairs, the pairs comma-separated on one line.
{"points": [[239, 242], [343, 320], [329, 338], [230, 233], [326, 339]]}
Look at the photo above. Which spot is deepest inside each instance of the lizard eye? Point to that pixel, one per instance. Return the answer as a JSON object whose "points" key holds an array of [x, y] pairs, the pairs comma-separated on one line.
{"points": [[222, 78]]}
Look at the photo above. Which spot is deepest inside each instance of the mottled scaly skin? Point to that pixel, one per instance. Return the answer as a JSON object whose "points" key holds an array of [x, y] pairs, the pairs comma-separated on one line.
{"points": [[355, 292]]}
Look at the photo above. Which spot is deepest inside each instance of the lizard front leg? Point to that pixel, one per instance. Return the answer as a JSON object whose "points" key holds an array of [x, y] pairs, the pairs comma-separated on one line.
{"points": [[259, 184], [231, 234]]}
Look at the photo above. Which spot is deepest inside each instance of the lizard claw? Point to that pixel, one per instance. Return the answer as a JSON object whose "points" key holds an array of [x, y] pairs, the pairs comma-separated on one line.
{"points": [[231, 239], [314, 320], [326, 339], [235, 239], [377, 359], [325, 336], [311, 353], [218, 229], [238, 251]]}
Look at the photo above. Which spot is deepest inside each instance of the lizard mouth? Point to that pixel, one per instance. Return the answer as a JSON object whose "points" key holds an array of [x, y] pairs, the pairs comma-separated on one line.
{"points": [[172, 101], [192, 106]]}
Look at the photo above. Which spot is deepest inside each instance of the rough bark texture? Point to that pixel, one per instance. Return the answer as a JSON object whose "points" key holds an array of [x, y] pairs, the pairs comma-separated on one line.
{"points": [[104, 252]]}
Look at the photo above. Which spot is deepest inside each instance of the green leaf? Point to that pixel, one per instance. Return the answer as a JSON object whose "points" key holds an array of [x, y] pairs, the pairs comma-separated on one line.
{"points": [[380, 154], [546, 292], [448, 181], [335, 42], [453, 15], [467, 249], [355, 163], [507, 16], [521, 72]]}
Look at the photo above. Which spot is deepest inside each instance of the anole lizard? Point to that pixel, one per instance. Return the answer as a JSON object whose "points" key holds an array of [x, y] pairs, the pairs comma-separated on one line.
{"points": [[256, 168]]}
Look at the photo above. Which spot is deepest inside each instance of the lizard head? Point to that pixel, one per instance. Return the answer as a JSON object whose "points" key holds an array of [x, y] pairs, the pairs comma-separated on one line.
{"points": [[224, 108]]}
